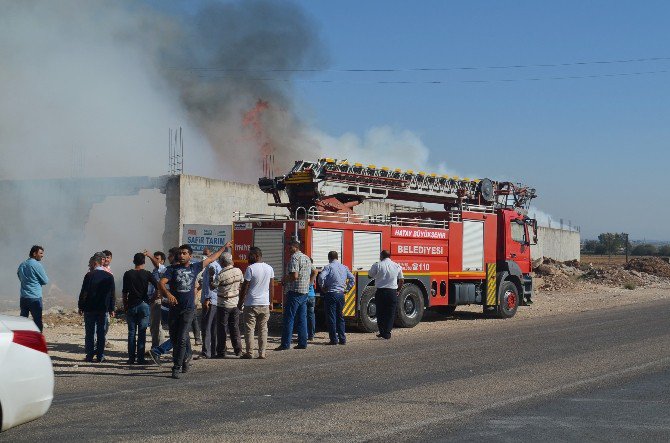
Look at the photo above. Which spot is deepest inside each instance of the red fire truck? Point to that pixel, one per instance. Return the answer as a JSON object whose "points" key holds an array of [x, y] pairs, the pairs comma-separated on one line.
{"points": [[472, 247]]}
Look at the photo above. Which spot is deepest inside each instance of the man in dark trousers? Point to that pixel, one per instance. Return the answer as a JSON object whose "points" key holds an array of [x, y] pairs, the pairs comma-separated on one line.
{"points": [[181, 298], [96, 300], [227, 285], [388, 278], [208, 313], [136, 306], [300, 272], [32, 277], [335, 280]]}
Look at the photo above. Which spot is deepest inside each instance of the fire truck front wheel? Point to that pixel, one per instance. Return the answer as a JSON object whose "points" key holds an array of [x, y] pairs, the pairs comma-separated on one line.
{"points": [[508, 300], [410, 306]]}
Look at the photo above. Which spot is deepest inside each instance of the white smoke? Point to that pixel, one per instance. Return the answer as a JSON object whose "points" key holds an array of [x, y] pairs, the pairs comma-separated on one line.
{"points": [[380, 146], [81, 93], [547, 220]]}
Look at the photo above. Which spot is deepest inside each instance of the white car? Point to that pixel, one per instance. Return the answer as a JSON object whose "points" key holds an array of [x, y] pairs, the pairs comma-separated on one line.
{"points": [[26, 374]]}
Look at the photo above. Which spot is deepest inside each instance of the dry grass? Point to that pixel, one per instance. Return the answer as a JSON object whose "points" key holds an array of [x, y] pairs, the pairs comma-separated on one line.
{"points": [[603, 260]]}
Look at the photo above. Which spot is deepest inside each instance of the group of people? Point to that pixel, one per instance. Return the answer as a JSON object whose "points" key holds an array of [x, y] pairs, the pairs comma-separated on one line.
{"points": [[167, 296]]}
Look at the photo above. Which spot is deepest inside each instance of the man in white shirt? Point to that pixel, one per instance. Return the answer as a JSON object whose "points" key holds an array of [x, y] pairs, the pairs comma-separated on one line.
{"points": [[388, 278], [257, 291]]}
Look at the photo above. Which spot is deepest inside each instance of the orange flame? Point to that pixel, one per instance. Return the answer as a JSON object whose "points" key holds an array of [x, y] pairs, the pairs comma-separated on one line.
{"points": [[252, 120]]}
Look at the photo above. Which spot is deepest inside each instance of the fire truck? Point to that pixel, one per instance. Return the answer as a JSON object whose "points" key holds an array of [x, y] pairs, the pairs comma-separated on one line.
{"points": [[467, 243]]}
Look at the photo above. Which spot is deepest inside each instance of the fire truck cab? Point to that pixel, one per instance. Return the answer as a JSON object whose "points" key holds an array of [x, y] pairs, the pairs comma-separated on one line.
{"points": [[465, 254]]}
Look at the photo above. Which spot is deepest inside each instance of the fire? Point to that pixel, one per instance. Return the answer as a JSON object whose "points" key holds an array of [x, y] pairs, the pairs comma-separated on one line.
{"points": [[252, 121]]}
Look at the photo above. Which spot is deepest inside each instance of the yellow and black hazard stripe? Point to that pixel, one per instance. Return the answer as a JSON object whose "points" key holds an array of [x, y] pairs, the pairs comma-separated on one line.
{"points": [[491, 299], [299, 177], [349, 309]]}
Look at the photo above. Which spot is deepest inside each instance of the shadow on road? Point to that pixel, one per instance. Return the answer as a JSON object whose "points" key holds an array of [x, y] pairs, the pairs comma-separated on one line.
{"points": [[432, 316]]}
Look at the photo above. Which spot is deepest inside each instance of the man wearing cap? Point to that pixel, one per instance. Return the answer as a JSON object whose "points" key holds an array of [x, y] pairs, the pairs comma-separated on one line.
{"points": [[227, 284]]}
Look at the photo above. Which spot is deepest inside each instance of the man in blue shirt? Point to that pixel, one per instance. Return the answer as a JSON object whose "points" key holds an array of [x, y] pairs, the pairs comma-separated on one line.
{"points": [[181, 298], [32, 277], [155, 307], [166, 346], [209, 299], [335, 280]]}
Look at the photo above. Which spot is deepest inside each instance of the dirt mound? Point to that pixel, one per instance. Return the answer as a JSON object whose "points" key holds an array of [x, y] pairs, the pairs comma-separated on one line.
{"points": [[572, 275], [556, 276], [649, 265], [616, 276]]}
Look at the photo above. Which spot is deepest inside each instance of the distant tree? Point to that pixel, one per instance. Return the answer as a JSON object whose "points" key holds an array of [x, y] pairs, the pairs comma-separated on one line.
{"points": [[590, 246], [645, 249], [611, 242], [664, 251]]}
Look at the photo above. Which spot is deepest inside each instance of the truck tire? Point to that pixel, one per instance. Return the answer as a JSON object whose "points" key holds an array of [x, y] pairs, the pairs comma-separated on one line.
{"points": [[367, 313], [410, 306], [508, 300]]}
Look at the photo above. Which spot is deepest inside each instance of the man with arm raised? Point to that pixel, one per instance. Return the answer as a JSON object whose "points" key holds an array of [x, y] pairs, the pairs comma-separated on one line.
{"points": [[181, 298]]}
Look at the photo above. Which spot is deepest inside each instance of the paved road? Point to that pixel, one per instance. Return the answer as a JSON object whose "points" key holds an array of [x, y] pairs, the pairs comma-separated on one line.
{"points": [[598, 375]]}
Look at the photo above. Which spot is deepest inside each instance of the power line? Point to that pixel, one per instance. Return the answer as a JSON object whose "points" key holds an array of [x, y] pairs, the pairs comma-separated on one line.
{"points": [[428, 69], [437, 82]]}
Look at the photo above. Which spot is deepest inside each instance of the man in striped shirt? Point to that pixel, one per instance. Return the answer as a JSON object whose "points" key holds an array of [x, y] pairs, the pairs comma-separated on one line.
{"points": [[299, 273], [227, 284]]}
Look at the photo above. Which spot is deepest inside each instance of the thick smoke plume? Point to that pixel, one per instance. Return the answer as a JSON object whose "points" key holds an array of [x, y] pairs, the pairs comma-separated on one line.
{"points": [[228, 56], [90, 88]]}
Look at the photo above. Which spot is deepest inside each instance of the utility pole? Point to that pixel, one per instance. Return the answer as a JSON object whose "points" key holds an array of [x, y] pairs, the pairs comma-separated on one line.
{"points": [[626, 236]]}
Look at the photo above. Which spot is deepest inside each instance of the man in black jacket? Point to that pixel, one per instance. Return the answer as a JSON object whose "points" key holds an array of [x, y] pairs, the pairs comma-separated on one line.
{"points": [[136, 306], [96, 299]]}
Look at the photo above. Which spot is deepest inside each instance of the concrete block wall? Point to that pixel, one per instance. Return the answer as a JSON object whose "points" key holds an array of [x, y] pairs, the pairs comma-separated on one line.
{"points": [[559, 244], [199, 200]]}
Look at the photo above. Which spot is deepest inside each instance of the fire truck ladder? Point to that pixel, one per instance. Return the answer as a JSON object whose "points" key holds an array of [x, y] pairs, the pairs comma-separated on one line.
{"points": [[309, 182]]}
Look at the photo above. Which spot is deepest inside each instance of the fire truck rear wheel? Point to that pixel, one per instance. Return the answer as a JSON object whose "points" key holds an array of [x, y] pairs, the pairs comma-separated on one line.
{"points": [[508, 300], [367, 316], [410, 306]]}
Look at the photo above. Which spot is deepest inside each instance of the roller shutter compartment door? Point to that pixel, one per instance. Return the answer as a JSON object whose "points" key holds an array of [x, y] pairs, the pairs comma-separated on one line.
{"points": [[473, 245], [324, 241], [367, 246], [271, 242]]}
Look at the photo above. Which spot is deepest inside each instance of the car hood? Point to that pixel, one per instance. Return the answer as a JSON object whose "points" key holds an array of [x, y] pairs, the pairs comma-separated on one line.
{"points": [[13, 323]]}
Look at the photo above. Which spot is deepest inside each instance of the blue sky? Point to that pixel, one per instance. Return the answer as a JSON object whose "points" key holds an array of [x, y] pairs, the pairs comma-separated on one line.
{"points": [[595, 148]]}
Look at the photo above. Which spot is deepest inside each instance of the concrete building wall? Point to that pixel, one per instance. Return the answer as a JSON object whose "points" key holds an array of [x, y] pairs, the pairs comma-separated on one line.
{"points": [[561, 245], [198, 200]]}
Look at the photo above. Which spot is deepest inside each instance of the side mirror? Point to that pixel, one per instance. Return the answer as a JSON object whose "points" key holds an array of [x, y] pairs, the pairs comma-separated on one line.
{"points": [[533, 224]]}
